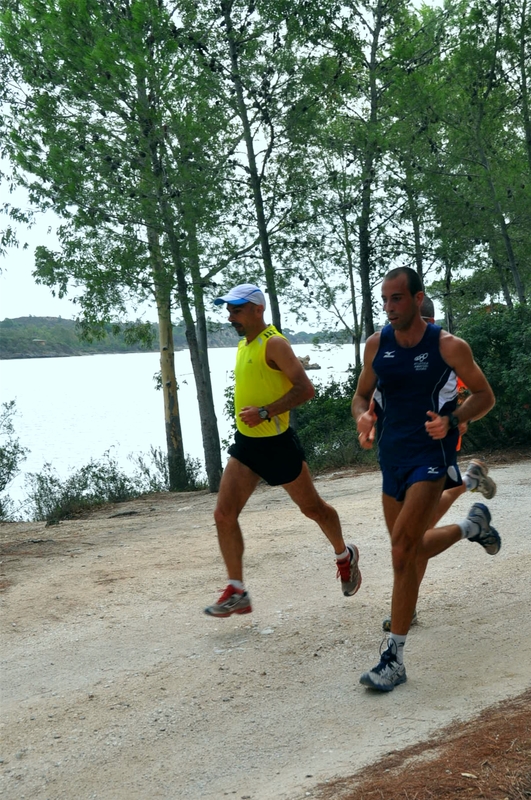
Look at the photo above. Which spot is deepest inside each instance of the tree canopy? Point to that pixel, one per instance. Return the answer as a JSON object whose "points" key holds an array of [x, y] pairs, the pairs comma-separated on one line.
{"points": [[306, 146]]}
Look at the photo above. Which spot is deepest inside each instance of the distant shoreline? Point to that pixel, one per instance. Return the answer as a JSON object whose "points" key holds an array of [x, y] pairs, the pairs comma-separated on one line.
{"points": [[55, 337], [25, 356], [35, 355]]}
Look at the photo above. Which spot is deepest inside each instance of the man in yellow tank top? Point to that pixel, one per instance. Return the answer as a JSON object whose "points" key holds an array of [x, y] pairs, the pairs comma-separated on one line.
{"points": [[270, 381]]}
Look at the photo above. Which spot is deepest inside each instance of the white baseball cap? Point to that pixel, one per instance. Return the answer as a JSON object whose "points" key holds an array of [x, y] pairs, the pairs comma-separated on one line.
{"points": [[244, 293]]}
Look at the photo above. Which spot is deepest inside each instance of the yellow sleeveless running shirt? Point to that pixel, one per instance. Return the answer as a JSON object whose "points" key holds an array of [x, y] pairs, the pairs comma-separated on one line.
{"points": [[257, 384]]}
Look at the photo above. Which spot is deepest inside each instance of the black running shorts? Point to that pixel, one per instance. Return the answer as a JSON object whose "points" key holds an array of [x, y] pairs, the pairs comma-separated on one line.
{"points": [[277, 459]]}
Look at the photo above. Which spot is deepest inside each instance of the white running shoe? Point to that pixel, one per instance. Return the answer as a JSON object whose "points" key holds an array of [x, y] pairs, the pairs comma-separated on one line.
{"points": [[349, 571], [477, 470], [231, 601]]}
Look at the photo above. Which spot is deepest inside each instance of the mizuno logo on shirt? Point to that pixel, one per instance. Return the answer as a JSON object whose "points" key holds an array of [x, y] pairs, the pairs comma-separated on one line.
{"points": [[389, 354]]}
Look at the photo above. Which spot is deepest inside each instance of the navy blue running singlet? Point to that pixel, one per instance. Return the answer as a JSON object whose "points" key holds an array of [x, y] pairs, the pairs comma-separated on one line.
{"points": [[412, 381]]}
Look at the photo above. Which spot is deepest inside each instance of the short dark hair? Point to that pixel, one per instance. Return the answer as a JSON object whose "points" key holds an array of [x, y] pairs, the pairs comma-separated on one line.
{"points": [[414, 284], [427, 309]]}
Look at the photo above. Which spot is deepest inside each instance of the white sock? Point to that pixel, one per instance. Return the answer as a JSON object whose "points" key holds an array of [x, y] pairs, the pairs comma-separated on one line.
{"points": [[397, 642], [343, 555], [237, 585], [470, 483], [469, 528]]}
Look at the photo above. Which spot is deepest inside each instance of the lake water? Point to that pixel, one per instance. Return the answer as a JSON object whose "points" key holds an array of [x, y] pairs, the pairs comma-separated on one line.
{"points": [[72, 410]]}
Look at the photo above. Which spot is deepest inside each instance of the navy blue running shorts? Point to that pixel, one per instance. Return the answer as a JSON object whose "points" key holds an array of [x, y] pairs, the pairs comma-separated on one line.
{"points": [[277, 459], [397, 480]]}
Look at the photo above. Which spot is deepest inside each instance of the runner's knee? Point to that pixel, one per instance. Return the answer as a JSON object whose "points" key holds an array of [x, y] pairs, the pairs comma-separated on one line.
{"points": [[403, 551], [316, 510], [225, 516]]}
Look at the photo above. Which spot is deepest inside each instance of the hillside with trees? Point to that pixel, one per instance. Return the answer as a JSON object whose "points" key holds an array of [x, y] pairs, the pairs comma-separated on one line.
{"points": [[50, 337]]}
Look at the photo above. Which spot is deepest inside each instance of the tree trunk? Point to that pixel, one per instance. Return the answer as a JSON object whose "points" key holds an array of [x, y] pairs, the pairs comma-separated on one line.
{"points": [[356, 327], [448, 293], [511, 260], [154, 174], [174, 442], [365, 247], [414, 216], [199, 360], [526, 114], [255, 180], [506, 238], [209, 423], [367, 176], [163, 286], [502, 273]]}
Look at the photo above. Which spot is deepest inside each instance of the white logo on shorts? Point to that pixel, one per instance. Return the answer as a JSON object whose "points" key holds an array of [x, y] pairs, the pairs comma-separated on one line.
{"points": [[452, 473], [433, 470]]}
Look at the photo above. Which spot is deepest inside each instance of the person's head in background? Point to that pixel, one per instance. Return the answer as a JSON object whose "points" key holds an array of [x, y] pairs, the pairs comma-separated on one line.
{"points": [[427, 310]]}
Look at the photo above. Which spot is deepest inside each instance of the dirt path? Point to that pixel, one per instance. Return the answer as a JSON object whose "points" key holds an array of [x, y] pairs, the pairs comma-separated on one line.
{"points": [[116, 686]]}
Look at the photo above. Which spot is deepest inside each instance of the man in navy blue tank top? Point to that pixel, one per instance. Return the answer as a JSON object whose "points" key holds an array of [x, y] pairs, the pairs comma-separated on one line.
{"points": [[408, 387]]}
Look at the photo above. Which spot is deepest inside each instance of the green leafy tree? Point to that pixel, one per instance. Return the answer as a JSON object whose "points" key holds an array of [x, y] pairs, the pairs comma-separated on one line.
{"points": [[359, 41], [252, 48], [501, 341], [491, 148], [116, 132], [467, 153], [346, 124]]}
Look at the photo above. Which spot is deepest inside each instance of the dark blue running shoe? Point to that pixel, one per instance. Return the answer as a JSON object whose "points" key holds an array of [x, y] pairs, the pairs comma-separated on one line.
{"points": [[488, 537], [387, 674]]}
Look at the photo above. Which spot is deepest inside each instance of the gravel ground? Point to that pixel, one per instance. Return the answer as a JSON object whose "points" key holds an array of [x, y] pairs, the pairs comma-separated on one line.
{"points": [[116, 686]]}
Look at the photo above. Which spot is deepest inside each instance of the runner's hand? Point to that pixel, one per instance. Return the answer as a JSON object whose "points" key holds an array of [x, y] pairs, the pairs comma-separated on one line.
{"points": [[437, 427], [249, 416], [366, 427]]}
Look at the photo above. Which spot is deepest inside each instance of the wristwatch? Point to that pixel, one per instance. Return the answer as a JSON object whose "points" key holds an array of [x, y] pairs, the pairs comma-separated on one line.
{"points": [[263, 413], [453, 422]]}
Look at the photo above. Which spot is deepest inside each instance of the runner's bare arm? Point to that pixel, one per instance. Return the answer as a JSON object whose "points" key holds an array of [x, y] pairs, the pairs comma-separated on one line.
{"points": [[280, 355], [362, 403], [458, 355]]}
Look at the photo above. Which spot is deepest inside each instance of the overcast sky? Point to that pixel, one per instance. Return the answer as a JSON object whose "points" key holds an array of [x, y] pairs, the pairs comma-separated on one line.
{"points": [[20, 296]]}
